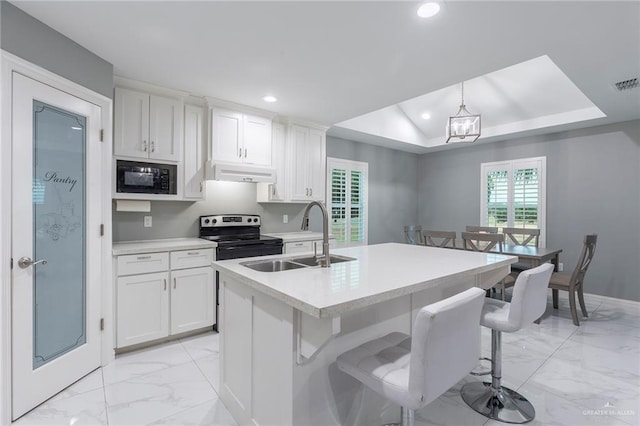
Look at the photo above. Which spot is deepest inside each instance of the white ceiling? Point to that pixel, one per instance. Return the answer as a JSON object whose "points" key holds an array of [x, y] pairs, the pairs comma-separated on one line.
{"points": [[529, 67]]}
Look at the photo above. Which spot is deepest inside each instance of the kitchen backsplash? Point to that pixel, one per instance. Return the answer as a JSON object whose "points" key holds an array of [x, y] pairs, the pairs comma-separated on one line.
{"points": [[177, 219]]}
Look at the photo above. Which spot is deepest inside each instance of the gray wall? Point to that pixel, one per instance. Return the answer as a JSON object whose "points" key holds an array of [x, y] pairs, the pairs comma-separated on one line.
{"points": [[176, 219], [392, 201], [392, 186], [30, 39], [593, 185]]}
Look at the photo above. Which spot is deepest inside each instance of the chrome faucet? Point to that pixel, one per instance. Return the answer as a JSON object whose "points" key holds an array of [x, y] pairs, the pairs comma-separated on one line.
{"points": [[325, 261]]}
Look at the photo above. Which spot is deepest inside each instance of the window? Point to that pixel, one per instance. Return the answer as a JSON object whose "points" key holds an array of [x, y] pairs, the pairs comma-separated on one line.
{"points": [[348, 183], [513, 194]]}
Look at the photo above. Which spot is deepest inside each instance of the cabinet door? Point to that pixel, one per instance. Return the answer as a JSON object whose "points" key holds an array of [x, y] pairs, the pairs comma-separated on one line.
{"points": [[278, 190], [165, 128], [142, 308], [131, 123], [226, 137], [193, 163], [298, 163], [192, 299], [299, 247], [317, 164], [257, 140]]}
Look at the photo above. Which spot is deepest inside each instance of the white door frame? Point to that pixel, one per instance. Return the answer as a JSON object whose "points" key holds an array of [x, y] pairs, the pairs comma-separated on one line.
{"points": [[10, 64]]}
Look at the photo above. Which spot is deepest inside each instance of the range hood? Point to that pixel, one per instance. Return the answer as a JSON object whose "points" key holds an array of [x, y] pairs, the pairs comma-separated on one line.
{"points": [[235, 172]]}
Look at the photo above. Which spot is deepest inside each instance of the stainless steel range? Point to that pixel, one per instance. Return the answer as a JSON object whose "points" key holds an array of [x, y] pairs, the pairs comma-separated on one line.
{"points": [[237, 236]]}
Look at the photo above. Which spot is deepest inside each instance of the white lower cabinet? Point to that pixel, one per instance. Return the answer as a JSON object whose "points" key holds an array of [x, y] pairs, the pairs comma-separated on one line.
{"points": [[306, 246], [143, 308], [163, 294], [192, 294]]}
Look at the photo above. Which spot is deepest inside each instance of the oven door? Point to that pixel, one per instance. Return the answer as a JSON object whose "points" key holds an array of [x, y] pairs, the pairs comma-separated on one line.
{"points": [[237, 252]]}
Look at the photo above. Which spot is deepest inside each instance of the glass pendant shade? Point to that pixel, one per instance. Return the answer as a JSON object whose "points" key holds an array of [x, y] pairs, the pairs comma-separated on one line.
{"points": [[464, 126]]}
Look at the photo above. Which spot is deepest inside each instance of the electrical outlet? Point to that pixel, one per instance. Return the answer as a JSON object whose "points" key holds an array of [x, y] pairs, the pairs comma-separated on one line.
{"points": [[148, 222], [285, 218], [560, 267]]}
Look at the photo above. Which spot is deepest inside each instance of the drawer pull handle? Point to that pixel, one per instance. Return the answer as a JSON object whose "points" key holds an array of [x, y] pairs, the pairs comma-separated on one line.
{"points": [[143, 257], [174, 283], [165, 284], [193, 253]]}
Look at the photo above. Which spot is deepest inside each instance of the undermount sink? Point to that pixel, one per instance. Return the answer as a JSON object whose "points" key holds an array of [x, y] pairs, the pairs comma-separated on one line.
{"points": [[313, 261], [273, 265], [276, 265]]}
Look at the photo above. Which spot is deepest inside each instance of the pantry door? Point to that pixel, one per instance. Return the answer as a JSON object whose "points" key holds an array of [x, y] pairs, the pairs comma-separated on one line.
{"points": [[55, 242]]}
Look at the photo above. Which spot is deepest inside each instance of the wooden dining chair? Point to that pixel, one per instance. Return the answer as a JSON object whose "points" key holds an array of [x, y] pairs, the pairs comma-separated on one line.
{"points": [[484, 242], [521, 237], [485, 229], [439, 238], [573, 283], [413, 234]]}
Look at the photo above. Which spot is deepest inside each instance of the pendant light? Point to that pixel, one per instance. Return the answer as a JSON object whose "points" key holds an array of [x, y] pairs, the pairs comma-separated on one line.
{"points": [[464, 126]]}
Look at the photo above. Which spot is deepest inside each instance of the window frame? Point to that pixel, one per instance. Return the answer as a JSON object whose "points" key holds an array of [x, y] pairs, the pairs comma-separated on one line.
{"points": [[510, 166], [350, 166]]}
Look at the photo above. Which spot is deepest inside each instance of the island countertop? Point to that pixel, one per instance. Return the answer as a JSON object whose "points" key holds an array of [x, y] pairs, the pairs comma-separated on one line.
{"points": [[379, 272]]}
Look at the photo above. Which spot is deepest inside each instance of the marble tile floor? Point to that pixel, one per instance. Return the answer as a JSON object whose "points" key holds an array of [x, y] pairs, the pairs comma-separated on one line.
{"points": [[587, 375]]}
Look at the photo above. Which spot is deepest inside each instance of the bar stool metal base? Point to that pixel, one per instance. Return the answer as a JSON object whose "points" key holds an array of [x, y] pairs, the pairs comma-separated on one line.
{"points": [[503, 404]]}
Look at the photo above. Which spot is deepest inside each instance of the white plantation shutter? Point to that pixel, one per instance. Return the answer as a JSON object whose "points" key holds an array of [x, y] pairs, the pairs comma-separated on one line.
{"points": [[348, 181], [338, 204], [513, 194], [526, 197]]}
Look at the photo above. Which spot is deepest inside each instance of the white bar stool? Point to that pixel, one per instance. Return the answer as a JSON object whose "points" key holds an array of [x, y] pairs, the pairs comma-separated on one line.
{"points": [[413, 371], [528, 303]]}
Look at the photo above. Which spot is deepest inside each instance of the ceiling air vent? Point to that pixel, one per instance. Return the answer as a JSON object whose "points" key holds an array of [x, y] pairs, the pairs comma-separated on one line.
{"points": [[627, 84]]}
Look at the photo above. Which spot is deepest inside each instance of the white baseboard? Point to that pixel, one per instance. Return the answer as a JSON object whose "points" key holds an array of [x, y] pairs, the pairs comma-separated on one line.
{"points": [[625, 302]]}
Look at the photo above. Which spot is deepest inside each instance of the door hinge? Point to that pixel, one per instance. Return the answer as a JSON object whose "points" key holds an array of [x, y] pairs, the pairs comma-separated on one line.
{"points": [[102, 229], [101, 324], [101, 135]]}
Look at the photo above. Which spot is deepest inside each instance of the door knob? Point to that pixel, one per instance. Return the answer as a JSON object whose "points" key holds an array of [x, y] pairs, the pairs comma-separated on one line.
{"points": [[25, 262]]}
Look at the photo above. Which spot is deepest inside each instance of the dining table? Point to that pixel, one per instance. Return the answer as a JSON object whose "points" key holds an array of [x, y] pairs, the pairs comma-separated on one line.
{"points": [[534, 255]]}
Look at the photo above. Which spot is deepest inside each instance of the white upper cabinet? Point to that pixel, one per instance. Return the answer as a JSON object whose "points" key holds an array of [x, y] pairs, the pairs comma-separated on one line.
{"points": [[147, 126], [240, 138], [307, 163], [226, 131], [257, 140], [277, 191], [194, 152]]}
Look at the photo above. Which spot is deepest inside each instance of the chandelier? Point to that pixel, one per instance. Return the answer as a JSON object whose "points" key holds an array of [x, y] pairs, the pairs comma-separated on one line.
{"points": [[464, 126]]}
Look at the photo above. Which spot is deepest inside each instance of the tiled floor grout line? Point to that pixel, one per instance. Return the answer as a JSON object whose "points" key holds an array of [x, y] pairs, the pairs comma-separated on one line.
{"points": [[104, 393]]}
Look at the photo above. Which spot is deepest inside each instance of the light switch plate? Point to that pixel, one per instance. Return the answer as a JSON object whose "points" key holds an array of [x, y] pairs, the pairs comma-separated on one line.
{"points": [[148, 221], [285, 218]]}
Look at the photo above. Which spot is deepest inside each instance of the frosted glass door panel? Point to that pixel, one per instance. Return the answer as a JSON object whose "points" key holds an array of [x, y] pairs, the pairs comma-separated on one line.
{"points": [[59, 232]]}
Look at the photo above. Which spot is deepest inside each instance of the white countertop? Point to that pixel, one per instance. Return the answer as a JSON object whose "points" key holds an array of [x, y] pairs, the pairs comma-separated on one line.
{"points": [[289, 237], [155, 246], [380, 272]]}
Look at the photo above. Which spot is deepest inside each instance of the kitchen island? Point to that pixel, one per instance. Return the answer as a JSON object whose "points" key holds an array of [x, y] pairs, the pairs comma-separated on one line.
{"points": [[282, 331]]}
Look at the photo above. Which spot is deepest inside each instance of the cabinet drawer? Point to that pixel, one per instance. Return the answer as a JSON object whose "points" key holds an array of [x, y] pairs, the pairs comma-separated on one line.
{"points": [[143, 263], [298, 247], [191, 258]]}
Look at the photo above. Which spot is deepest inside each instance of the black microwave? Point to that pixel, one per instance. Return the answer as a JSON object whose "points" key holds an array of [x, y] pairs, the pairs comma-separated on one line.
{"points": [[133, 177]]}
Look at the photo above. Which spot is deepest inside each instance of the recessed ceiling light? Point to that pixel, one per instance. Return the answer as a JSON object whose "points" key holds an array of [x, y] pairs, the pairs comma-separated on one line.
{"points": [[425, 116], [428, 9], [76, 128], [270, 99]]}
